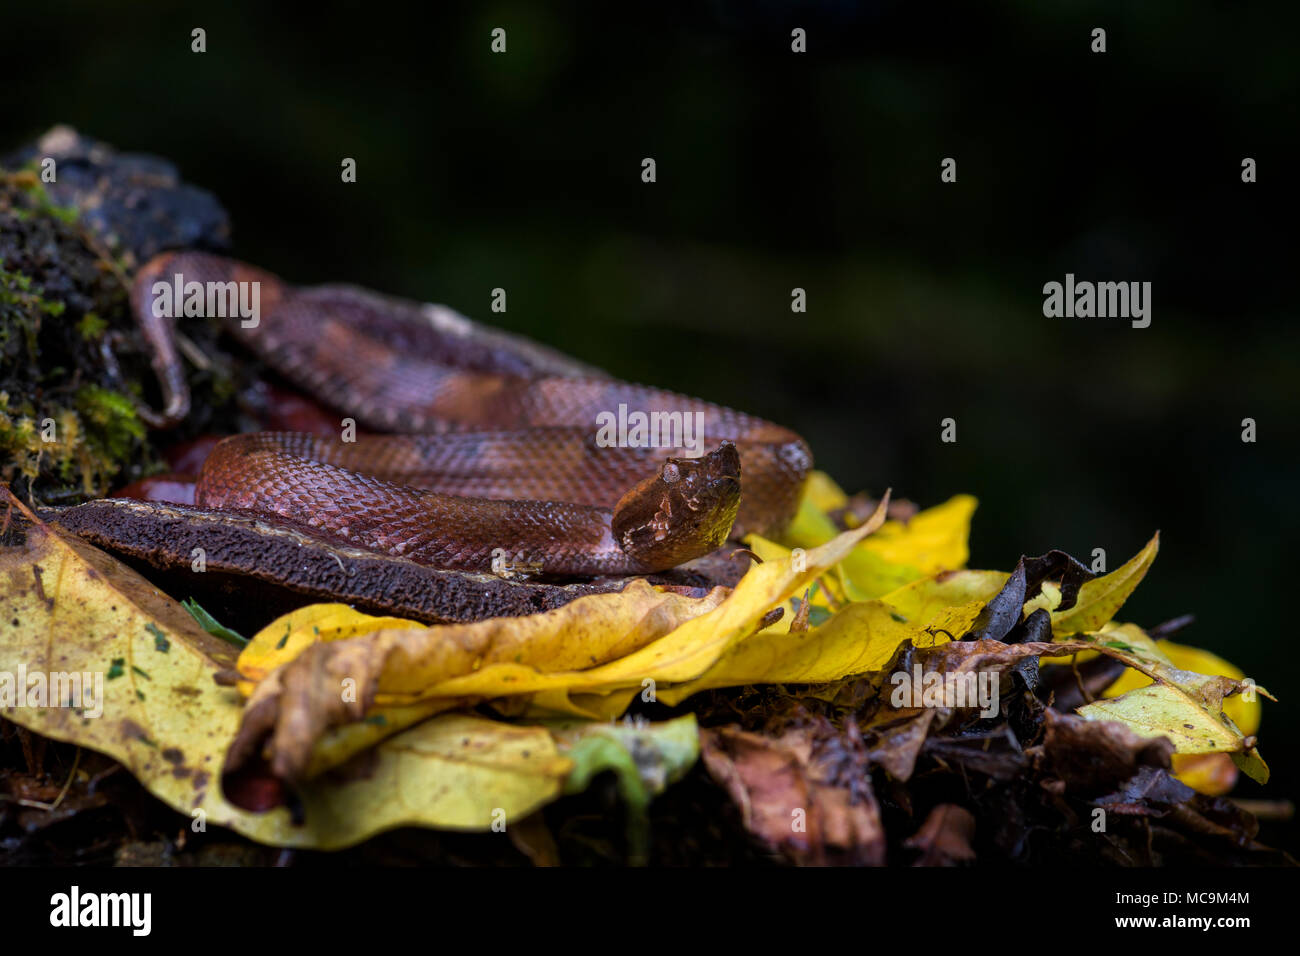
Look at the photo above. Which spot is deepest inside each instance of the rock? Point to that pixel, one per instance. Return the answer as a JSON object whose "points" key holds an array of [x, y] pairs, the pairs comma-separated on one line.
{"points": [[135, 202]]}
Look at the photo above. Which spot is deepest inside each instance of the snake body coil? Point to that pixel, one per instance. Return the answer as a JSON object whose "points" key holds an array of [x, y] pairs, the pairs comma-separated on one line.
{"points": [[498, 454]]}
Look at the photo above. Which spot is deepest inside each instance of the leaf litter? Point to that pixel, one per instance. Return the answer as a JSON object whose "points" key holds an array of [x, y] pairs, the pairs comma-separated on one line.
{"points": [[331, 726]]}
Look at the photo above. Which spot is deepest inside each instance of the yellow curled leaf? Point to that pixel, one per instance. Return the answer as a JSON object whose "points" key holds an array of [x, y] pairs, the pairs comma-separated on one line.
{"points": [[610, 646], [288, 635]]}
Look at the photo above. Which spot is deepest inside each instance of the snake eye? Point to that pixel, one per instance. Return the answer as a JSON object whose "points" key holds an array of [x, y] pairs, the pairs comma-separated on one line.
{"points": [[671, 473]]}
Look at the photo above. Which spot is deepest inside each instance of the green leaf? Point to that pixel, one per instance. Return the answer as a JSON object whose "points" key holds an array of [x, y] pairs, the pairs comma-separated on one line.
{"points": [[211, 625], [644, 758]]}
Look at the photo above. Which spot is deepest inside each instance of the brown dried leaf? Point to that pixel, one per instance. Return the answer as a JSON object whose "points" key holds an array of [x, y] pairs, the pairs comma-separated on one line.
{"points": [[793, 796], [1094, 757], [945, 837]]}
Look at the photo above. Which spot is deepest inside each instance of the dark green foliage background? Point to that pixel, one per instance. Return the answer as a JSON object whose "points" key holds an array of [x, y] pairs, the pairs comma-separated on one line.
{"points": [[820, 171]]}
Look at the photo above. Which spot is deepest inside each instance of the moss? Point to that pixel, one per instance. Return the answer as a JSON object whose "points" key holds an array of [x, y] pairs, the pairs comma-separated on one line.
{"points": [[28, 179], [65, 431], [71, 354], [92, 327], [112, 419], [19, 441]]}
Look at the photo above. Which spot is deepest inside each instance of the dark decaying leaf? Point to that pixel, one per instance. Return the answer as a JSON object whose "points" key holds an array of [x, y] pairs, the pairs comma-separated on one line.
{"points": [[996, 755], [1195, 827], [1002, 614], [945, 837], [1069, 687], [1036, 627], [1031, 779], [895, 745], [1094, 757], [805, 794]]}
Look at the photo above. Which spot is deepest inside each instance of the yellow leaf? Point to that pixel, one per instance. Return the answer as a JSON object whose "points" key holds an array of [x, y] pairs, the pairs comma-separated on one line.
{"points": [[163, 717], [685, 653], [402, 671], [821, 491], [1185, 706], [589, 631], [1101, 597], [1213, 774], [1244, 713], [771, 551], [859, 638], [285, 638], [1162, 710], [767, 550], [900, 552], [454, 771], [602, 647], [921, 600], [865, 575], [933, 541]]}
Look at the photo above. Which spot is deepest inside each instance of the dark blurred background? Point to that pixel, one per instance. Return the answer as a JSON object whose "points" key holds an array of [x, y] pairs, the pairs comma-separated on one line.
{"points": [[821, 171]]}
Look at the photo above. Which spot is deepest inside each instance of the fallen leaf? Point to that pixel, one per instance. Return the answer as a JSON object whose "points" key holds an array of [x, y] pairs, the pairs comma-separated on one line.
{"points": [[1176, 711], [644, 757], [1245, 713], [1096, 757], [603, 646], [326, 666], [1101, 597], [858, 639], [1214, 773], [290, 634], [166, 720], [932, 541], [1184, 706], [73, 610], [792, 800], [945, 837], [935, 539]]}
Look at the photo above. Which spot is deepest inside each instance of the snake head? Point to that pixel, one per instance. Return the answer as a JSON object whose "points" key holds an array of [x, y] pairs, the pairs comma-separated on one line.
{"points": [[683, 512]]}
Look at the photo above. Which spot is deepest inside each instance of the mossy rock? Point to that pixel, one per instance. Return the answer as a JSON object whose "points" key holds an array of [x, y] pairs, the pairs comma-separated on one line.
{"points": [[73, 367]]}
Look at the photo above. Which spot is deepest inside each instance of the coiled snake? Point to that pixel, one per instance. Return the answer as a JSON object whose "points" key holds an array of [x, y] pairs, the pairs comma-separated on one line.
{"points": [[498, 459]]}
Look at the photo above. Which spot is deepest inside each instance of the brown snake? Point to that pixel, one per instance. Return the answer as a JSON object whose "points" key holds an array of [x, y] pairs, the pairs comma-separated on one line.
{"points": [[498, 453]]}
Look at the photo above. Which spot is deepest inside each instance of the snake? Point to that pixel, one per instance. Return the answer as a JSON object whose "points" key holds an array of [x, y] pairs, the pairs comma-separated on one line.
{"points": [[478, 449]]}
